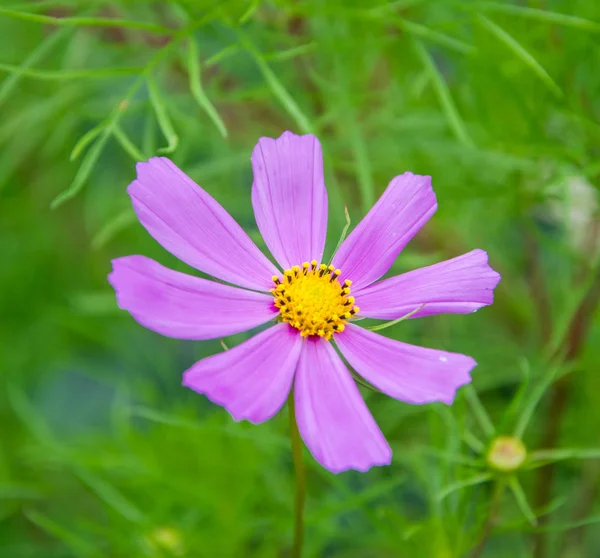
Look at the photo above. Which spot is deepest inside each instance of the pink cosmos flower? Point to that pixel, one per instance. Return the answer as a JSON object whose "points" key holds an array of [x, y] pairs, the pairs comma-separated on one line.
{"points": [[309, 304]]}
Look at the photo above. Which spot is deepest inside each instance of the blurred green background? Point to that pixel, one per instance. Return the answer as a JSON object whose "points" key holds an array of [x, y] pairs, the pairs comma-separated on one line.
{"points": [[104, 453]]}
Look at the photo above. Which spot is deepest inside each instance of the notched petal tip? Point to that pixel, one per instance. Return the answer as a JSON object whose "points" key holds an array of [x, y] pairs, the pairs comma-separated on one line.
{"points": [[462, 378], [184, 306], [333, 419], [371, 248], [413, 374], [382, 460]]}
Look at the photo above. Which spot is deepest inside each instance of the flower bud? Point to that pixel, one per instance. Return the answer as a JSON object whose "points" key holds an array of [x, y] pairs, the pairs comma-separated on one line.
{"points": [[506, 454]]}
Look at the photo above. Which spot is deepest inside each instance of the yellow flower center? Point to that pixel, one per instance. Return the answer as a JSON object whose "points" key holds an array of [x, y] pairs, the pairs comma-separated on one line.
{"points": [[311, 299]]}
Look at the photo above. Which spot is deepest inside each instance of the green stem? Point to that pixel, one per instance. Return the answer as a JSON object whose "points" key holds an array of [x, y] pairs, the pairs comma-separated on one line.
{"points": [[492, 516], [300, 481]]}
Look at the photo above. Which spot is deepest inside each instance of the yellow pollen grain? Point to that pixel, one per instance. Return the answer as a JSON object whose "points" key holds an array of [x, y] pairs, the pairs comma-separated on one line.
{"points": [[311, 299]]}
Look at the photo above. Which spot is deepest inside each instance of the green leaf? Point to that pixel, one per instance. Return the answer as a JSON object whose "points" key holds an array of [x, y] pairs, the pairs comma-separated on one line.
{"points": [[521, 53], [77, 544], [443, 92], [69, 74], [397, 321], [521, 498], [459, 485], [534, 399], [86, 139], [558, 527], [38, 54], [28, 414], [290, 53], [197, 90], [423, 32], [128, 145], [480, 413], [84, 171], [540, 458], [229, 50], [247, 15], [276, 86], [86, 21], [111, 496], [540, 15], [113, 227], [343, 235], [162, 116], [472, 441]]}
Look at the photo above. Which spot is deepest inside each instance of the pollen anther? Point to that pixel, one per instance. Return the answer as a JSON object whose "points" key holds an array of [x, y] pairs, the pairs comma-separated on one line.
{"points": [[311, 299]]}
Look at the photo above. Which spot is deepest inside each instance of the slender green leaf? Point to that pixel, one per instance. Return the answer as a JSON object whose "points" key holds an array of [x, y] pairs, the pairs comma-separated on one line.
{"points": [[85, 21], [519, 397], [69, 74], [278, 89], [480, 413], [86, 139], [558, 527], [197, 89], [520, 51], [472, 441], [521, 499], [543, 457], [162, 116], [344, 233], [229, 50], [84, 171], [111, 496], [443, 92], [534, 399], [117, 224], [38, 54], [247, 15], [77, 544], [396, 321], [424, 32], [539, 15], [290, 53], [28, 414], [459, 485], [127, 144]]}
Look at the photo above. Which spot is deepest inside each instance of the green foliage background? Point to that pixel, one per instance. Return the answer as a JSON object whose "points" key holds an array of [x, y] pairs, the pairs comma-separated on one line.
{"points": [[104, 453]]}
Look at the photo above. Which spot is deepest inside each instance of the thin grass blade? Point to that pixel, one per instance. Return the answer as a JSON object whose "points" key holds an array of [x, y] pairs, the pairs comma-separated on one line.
{"points": [[197, 89], [524, 55], [162, 116], [445, 98]]}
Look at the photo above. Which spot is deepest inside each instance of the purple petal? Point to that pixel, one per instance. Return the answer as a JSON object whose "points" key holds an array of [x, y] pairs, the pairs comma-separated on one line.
{"points": [[406, 372], [190, 224], [252, 380], [182, 306], [457, 286], [332, 417], [371, 248], [289, 197]]}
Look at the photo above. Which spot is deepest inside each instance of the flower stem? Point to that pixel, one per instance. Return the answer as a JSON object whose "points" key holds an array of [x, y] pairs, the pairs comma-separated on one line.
{"points": [[492, 515], [300, 481]]}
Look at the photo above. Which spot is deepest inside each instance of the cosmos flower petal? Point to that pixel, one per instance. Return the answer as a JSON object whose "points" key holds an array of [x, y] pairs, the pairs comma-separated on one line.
{"points": [[190, 224], [371, 248], [406, 372], [182, 306], [252, 380], [289, 197], [332, 417], [457, 286]]}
